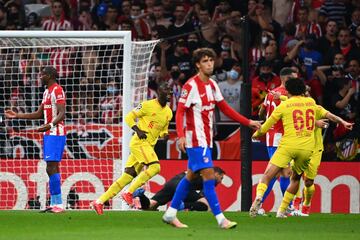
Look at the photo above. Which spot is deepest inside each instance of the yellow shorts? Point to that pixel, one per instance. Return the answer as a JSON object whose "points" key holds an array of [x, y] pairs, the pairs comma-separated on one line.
{"points": [[141, 155], [283, 156], [314, 165]]}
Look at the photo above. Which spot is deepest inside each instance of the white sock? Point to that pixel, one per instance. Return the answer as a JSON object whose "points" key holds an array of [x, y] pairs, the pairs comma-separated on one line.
{"points": [[220, 218], [98, 201], [171, 212], [59, 206]]}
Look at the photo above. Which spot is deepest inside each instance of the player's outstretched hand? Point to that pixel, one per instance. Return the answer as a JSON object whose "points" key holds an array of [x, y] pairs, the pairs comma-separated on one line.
{"points": [[255, 124], [10, 114], [347, 125], [322, 123], [181, 144], [44, 128], [141, 134]]}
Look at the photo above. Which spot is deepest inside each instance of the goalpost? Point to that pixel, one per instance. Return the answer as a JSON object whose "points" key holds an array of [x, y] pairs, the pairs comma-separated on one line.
{"points": [[104, 75]]}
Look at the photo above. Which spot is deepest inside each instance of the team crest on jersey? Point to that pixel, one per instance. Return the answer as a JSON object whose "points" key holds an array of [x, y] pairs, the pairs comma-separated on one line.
{"points": [[206, 159], [184, 93], [138, 107]]}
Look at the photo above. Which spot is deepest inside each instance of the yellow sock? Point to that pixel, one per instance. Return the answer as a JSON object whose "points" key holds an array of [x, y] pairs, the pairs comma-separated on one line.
{"points": [[288, 197], [261, 189], [298, 193], [116, 187], [144, 176], [308, 194]]}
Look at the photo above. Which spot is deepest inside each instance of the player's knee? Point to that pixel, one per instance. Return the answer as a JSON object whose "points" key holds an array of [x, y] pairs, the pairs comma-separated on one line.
{"points": [[131, 171], [295, 177], [154, 168], [309, 182]]}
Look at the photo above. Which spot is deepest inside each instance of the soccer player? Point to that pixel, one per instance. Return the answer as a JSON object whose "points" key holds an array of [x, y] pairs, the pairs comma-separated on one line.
{"points": [[52, 109], [315, 160], [298, 142], [199, 96], [153, 121], [194, 201], [275, 133]]}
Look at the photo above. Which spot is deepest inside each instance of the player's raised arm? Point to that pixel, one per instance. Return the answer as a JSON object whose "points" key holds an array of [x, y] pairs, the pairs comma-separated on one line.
{"points": [[35, 115], [231, 113]]}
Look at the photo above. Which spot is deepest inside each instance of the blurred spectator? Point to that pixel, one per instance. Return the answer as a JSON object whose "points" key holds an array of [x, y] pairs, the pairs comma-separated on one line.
{"points": [[110, 19], [281, 10], [84, 21], [3, 18], [125, 12], [355, 21], [327, 44], [208, 28], [193, 42], [233, 29], [33, 22], [343, 103], [16, 14], [354, 74], [180, 57], [261, 84], [230, 89], [110, 104], [175, 83], [357, 37], [180, 24], [289, 34], [272, 56], [310, 56], [57, 21], [346, 47], [334, 10], [141, 27], [158, 11], [305, 27]]}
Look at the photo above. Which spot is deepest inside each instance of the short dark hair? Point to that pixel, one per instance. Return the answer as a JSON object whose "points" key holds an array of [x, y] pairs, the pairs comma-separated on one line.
{"points": [[51, 71], [199, 53], [295, 86], [286, 71], [219, 170]]}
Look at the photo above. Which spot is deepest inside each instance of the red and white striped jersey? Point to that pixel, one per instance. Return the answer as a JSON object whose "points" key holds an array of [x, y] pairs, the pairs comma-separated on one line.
{"points": [[199, 99], [52, 25], [275, 133], [52, 96]]}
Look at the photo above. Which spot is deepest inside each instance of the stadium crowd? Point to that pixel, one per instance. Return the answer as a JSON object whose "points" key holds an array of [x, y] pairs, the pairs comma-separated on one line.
{"points": [[320, 39]]}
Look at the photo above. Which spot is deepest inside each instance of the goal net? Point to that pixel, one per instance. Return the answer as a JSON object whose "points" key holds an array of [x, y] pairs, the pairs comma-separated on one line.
{"points": [[104, 75]]}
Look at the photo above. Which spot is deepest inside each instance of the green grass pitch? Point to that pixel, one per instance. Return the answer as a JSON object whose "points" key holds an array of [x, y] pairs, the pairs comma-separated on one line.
{"points": [[86, 225]]}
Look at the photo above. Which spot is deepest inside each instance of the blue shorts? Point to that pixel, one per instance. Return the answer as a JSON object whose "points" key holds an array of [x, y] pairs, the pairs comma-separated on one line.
{"points": [[271, 151], [199, 158], [54, 148]]}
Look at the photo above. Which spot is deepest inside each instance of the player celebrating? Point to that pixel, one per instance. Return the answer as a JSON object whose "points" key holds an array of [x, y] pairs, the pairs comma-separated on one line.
{"points": [[153, 120], [298, 117], [199, 96], [52, 108], [275, 133]]}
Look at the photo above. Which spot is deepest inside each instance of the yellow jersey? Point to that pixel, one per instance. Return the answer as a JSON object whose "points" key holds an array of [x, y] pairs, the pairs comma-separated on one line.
{"points": [[298, 115], [152, 118]]}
